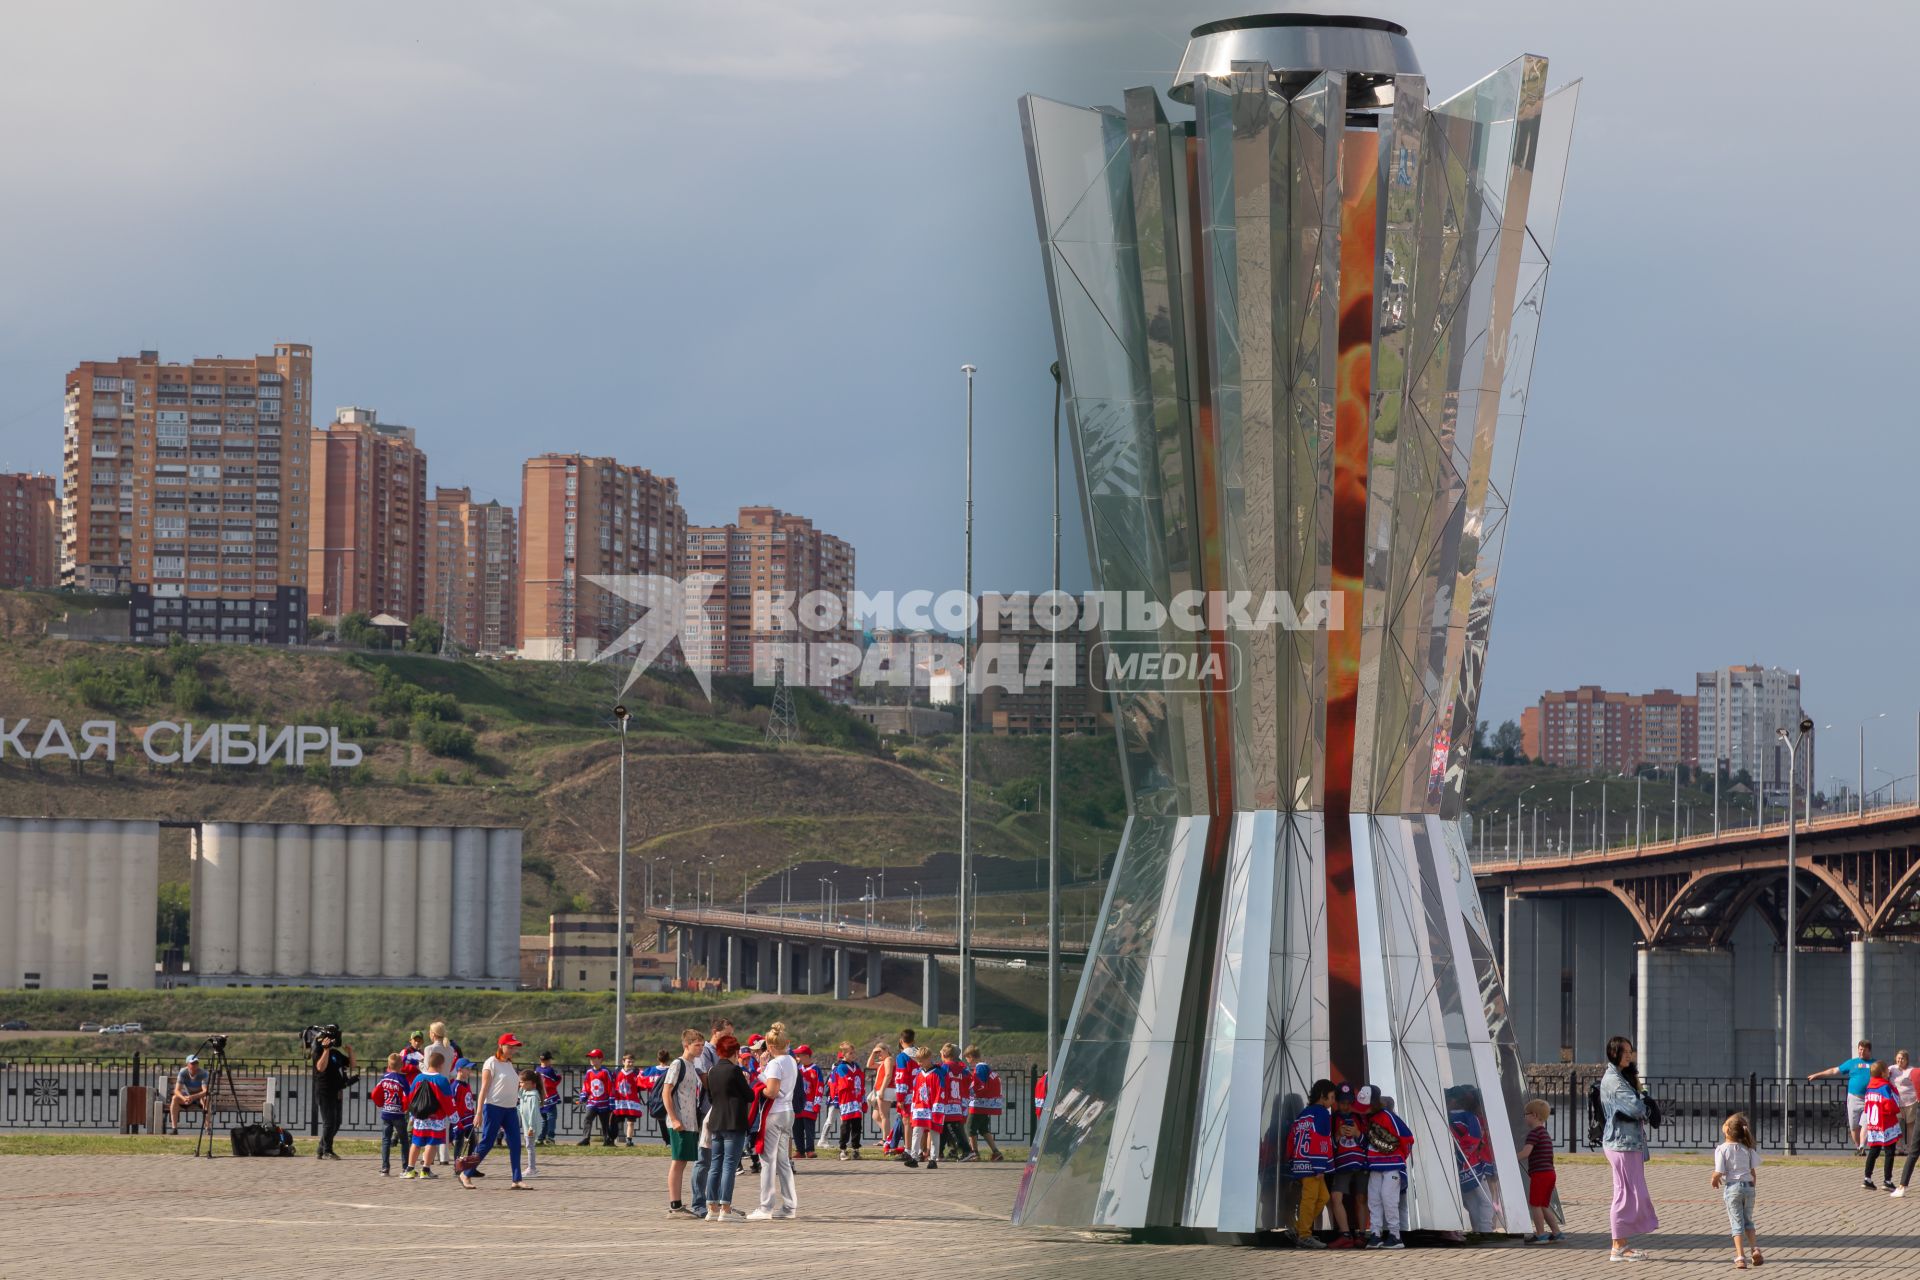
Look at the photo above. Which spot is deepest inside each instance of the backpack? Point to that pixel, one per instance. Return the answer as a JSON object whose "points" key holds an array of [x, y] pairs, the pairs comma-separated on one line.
{"points": [[424, 1103]]}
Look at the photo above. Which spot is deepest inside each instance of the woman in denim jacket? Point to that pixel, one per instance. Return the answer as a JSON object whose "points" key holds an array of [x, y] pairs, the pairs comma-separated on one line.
{"points": [[1624, 1139]]}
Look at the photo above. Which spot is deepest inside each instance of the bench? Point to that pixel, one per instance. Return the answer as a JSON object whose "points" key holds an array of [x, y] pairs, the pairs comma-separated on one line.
{"points": [[249, 1098]]}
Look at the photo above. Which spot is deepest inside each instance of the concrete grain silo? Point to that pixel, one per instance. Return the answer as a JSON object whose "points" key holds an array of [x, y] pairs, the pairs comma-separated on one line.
{"points": [[293, 875], [32, 904], [366, 879], [399, 902], [10, 841], [139, 889], [433, 931], [327, 948], [102, 908], [503, 904], [256, 898], [469, 947], [67, 917], [216, 900]]}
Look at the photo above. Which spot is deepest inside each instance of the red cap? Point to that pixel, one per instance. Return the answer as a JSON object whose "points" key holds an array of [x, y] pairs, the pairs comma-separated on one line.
{"points": [[756, 1038], [509, 1040], [805, 1048], [595, 1053]]}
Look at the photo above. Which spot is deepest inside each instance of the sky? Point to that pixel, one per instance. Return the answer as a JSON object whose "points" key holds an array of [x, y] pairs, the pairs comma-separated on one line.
{"points": [[750, 244]]}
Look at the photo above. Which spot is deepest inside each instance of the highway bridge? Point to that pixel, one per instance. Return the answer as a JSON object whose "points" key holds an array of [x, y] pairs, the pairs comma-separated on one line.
{"points": [[1682, 944]]}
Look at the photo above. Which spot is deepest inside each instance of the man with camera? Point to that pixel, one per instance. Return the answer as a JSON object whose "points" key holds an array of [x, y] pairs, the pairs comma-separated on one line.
{"points": [[332, 1072]]}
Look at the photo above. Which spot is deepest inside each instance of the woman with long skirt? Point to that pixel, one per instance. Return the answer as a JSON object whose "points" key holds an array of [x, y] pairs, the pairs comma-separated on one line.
{"points": [[1623, 1100]]}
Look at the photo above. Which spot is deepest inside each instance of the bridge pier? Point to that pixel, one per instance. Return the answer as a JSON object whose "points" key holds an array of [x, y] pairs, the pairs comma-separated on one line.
{"points": [[873, 974], [1886, 1001], [683, 955], [1686, 999], [783, 968], [816, 956], [842, 973], [1546, 944], [929, 991], [1822, 1009], [735, 947], [766, 961]]}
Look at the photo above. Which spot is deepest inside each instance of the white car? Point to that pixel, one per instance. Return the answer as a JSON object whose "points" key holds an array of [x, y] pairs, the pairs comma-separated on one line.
{"points": [[89, 1026], [132, 1027]]}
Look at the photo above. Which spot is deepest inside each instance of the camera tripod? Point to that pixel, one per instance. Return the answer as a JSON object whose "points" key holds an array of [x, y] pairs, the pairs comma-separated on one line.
{"points": [[217, 1071]]}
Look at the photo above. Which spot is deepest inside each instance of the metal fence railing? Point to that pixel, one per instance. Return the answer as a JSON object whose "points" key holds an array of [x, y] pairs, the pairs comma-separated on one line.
{"points": [[1693, 1108], [77, 1094]]}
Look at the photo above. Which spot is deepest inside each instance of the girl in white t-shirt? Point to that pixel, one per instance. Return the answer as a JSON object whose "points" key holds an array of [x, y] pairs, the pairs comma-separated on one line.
{"points": [[1734, 1164]]}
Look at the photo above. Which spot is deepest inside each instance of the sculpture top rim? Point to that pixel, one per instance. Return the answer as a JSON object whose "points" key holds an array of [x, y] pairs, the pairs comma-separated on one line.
{"points": [[1256, 20], [1297, 47]]}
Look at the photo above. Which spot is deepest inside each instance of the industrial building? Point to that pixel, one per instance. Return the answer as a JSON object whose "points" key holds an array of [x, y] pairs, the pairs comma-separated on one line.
{"points": [[78, 903], [273, 904], [301, 905]]}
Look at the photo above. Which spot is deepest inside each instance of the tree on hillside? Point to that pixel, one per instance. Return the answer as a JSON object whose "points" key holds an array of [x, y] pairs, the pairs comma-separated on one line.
{"points": [[424, 635], [1480, 751], [357, 629], [1506, 742]]}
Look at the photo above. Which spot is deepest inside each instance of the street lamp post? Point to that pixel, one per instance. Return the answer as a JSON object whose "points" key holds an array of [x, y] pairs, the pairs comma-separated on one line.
{"points": [[625, 958], [1786, 1052], [966, 723], [1053, 765]]}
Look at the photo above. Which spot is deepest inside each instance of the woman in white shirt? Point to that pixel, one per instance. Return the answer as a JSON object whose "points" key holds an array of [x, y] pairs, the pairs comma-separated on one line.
{"points": [[498, 1095]]}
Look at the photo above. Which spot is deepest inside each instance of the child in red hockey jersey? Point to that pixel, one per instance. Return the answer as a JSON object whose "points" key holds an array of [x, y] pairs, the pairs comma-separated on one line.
{"points": [[984, 1102], [626, 1098], [429, 1132], [460, 1132], [809, 1089], [847, 1085], [596, 1096], [924, 1111], [954, 1092]]}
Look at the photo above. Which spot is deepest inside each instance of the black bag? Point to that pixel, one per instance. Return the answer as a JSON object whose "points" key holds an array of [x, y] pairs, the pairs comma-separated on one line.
{"points": [[256, 1140], [1653, 1111], [424, 1103], [1596, 1116], [240, 1140]]}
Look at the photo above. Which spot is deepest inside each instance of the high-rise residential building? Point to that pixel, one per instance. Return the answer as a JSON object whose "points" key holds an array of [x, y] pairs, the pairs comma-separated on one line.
{"points": [[368, 553], [1028, 708], [1595, 728], [29, 530], [185, 486], [1740, 710], [473, 555], [1530, 733], [765, 564], [580, 517]]}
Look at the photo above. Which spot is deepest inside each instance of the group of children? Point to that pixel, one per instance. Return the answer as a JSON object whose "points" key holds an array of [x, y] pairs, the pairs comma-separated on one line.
{"points": [[940, 1107], [428, 1111], [1347, 1154]]}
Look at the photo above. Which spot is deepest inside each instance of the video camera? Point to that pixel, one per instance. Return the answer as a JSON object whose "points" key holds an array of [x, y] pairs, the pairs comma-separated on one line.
{"points": [[317, 1037], [216, 1043]]}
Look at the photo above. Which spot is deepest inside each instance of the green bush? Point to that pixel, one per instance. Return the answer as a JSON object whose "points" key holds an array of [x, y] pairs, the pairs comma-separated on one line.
{"points": [[443, 739], [189, 691]]}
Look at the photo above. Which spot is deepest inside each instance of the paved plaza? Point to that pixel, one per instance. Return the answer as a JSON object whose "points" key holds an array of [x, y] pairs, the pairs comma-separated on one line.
{"points": [[160, 1215]]}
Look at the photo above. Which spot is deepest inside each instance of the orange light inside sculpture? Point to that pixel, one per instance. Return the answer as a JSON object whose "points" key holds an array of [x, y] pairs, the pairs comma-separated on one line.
{"points": [[1359, 237]]}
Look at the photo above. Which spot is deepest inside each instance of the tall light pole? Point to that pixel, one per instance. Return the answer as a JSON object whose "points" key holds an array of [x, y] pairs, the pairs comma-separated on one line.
{"points": [[625, 958], [1786, 1051], [966, 734], [1520, 813], [1053, 766]]}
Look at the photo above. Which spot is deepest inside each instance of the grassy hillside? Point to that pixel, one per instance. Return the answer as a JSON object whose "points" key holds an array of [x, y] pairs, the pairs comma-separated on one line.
{"points": [[530, 744]]}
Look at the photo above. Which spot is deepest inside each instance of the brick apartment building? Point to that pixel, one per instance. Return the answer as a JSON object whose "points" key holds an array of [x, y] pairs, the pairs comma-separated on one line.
{"points": [[1082, 707], [185, 487], [769, 558], [29, 530], [581, 516], [1608, 732], [368, 551], [473, 554]]}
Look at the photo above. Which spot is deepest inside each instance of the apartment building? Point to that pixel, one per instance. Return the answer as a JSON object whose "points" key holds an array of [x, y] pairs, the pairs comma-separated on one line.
{"points": [[765, 563], [368, 552], [1006, 625], [473, 556], [29, 530], [580, 517], [185, 487], [1741, 708], [1609, 732]]}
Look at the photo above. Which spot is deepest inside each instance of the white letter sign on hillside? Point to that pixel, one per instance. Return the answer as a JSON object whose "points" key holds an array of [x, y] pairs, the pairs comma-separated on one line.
{"points": [[172, 742]]}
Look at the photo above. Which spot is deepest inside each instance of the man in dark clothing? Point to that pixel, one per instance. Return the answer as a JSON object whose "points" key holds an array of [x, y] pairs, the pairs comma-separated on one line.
{"points": [[332, 1071]]}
